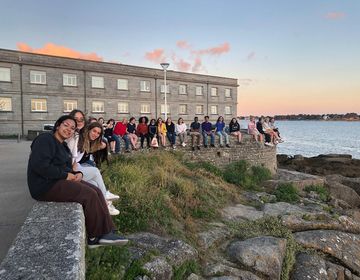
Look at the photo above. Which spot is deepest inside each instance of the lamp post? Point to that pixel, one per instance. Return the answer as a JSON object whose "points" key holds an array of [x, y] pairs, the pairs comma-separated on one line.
{"points": [[165, 66]]}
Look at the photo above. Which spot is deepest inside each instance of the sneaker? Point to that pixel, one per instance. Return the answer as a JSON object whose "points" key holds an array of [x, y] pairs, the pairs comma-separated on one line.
{"points": [[281, 140], [174, 147], [193, 148], [227, 145], [110, 196], [269, 144], [205, 146], [112, 239], [183, 144], [198, 147], [212, 145], [93, 242], [112, 210]]}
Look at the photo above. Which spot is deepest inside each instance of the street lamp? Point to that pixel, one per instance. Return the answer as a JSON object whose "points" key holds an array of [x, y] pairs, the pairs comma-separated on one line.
{"points": [[165, 66]]}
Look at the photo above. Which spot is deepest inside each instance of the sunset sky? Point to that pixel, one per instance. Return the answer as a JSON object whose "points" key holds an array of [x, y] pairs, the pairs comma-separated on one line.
{"points": [[288, 56]]}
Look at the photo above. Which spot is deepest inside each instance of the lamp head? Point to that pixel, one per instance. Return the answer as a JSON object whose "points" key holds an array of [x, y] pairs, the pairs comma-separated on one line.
{"points": [[164, 65]]}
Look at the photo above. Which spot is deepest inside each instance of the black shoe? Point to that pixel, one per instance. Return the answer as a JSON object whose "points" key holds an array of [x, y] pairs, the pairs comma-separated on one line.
{"points": [[112, 239], [198, 147], [205, 146], [227, 145], [212, 145], [93, 242], [193, 148]]}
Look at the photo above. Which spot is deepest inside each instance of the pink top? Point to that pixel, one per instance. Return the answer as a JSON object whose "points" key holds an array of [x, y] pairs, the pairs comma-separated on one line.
{"points": [[252, 128]]}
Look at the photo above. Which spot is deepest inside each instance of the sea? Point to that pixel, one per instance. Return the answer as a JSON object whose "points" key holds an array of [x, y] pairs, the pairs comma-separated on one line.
{"points": [[312, 138]]}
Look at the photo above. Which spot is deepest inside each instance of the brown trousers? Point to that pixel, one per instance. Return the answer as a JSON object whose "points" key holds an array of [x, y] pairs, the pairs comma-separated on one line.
{"points": [[97, 218], [195, 134]]}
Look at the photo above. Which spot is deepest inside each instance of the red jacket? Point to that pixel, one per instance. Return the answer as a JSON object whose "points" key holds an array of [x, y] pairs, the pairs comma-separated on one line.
{"points": [[142, 128], [120, 129]]}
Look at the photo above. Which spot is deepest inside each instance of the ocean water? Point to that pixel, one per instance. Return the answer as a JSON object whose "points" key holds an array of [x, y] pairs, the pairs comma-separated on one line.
{"points": [[311, 138]]}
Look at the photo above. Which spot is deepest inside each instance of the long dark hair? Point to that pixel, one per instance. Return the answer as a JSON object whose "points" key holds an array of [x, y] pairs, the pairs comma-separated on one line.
{"points": [[60, 121], [73, 113], [84, 144]]}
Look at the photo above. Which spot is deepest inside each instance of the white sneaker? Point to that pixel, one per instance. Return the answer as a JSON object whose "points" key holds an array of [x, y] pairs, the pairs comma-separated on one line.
{"points": [[110, 196], [184, 144], [269, 144], [281, 140], [112, 210]]}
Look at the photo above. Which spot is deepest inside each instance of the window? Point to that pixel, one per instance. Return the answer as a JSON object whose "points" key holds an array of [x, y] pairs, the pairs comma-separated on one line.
{"points": [[163, 108], [214, 109], [144, 85], [69, 105], [199, 90], [5, 74], [98, 106], [122, 84], [182, 89], [38, 105], [199, 110], [97, 82], [123, 107], [145, 108], [38, 77], [228, 93], [162, 89], [69, 80], [5, 104], [227, 110], [214, 91], [182, 109]]}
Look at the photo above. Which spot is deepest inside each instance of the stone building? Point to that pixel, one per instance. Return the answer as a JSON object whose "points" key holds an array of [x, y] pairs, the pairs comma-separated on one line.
{"points": [[36, 89]]}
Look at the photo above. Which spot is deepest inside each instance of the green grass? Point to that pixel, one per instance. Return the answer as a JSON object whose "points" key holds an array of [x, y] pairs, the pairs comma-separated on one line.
{"points": [[183, 271], [287, 192], [323, 192]]}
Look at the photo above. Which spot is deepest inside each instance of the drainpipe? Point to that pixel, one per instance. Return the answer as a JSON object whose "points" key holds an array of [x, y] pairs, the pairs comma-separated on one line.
{"points": [[156, 98], [207, 98], [85, 92], [21, 101]]}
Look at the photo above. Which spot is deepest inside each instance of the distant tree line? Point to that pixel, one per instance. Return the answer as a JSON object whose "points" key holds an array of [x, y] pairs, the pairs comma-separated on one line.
{"points": [[326, 117]]}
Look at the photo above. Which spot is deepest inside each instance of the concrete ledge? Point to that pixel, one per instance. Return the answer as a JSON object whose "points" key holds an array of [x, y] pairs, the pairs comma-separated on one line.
{"points": [[50, 245]]}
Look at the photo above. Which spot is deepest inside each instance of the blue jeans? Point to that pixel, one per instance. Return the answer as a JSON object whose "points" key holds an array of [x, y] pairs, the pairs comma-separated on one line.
{"points": [[172, 137], [127, 142], [117, 142], [205, 138], [222, 134]]}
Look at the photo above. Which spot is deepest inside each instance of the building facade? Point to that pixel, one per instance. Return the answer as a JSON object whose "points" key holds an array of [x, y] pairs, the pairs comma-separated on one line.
{"points": [[36, 89]]}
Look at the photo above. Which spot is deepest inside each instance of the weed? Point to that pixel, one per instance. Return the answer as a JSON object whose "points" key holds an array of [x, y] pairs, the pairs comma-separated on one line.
{"points": [[323, 193], [287, 192], [183, 271]]}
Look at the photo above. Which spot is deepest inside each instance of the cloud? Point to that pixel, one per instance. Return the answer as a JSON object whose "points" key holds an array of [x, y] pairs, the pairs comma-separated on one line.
{"points": [[197, 66], [156, 56], [251, 56], [57, 50], [221, 49], [182, 44], [335, 15]]}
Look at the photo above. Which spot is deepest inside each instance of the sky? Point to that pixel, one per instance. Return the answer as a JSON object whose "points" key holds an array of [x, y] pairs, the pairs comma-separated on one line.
{"points": [[289, 57]]}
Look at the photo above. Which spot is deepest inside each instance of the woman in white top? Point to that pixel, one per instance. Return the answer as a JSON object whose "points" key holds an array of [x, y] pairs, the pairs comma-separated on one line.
{"points": [[267, 129], [180, 130]]}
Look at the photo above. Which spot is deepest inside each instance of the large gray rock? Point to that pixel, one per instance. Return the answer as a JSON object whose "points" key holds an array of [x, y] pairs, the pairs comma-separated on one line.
{"points": [[50, 245], [340, 191], [175, 251], [283, 208], [214, 235], [309, 267], [264, 254], [159, 269], [353, 183], [228, 271], [343, 246], [241, 212]]}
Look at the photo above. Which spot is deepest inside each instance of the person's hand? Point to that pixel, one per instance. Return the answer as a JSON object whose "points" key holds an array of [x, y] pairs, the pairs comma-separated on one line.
{"points": [[103, 145], [71, 177], [78, 177], [74, 166]]}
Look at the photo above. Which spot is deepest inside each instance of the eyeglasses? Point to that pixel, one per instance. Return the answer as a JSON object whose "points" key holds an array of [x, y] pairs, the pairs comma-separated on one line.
{"points": [[79, 120], [68, 125]]}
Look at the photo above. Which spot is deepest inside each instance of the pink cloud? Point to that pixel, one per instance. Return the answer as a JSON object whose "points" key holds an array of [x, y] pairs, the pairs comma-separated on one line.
{"points": [[56, 50], [335, 15], [182, 44], [221, 49], [156, 55], [251, 56], [197, 66], [182, 65]]}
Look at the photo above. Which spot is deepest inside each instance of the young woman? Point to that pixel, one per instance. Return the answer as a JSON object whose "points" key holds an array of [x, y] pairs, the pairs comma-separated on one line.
{"points": [[153, 133], [52, 178], [161, 130], [170, 132], [131, 130], [234, 128], [266, 127], [143, 130], [108, 133], [180, 129], [275, 129], [260, 128], [252, 130], [220, 131]]}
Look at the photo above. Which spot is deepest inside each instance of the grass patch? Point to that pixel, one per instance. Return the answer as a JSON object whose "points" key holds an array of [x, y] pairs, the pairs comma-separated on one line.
{"points": [[206, 166], [287, 192], [270, 226], [323, 192], [183, 271], [242, 174]]}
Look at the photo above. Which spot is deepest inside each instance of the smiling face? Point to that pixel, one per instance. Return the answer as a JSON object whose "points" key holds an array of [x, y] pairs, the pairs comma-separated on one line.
{"points": [[80, 120], [94, 133], [65, 130]]}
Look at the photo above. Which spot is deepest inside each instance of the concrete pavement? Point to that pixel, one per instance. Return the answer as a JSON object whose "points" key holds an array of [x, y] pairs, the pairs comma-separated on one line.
{"points": [[15, 199]]}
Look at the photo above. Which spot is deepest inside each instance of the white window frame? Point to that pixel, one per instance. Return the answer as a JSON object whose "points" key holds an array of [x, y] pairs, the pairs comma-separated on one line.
{"points": [[145, 86], [70, 105], [37, 77], [199, 109], [183, 109], [145, 108], [122, 84], [96, 106], [5, 74], [97, 82], [162, 88], [123, 107], [227, 110], [199, 90], [183, 89], [228, 93], [5, 104], [38, 105], [162, 109], [214, 91], [69, 80], [213, 109]]}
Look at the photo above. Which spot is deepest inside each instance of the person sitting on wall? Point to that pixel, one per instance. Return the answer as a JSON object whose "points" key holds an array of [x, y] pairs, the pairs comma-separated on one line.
{"points": [[153, 134], [220, 131], [180, 130], [252, 130], [50, 177], [170, 132], [143, 131], [195, 133], [259, 126], [275, 129], [111, 138], [266, 127], [131, 132], [161, 130], [120, 130], [234, 129], [206, 128]]}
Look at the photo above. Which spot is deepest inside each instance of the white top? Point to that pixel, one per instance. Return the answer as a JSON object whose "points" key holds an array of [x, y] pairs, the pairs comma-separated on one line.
{"points": [[266, 126], [180, 128]]}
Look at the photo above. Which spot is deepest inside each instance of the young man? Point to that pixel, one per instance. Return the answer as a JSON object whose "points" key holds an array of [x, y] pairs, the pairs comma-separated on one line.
{"points": [[120, 131], [206, 128], [195, 133]]}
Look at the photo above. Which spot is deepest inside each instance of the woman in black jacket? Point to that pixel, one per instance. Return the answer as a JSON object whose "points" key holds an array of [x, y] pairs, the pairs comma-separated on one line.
{"points": [[234, 129]]}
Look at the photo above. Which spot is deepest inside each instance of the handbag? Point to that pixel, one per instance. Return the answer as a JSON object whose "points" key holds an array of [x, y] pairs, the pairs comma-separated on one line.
{"points": [[154, 142]]}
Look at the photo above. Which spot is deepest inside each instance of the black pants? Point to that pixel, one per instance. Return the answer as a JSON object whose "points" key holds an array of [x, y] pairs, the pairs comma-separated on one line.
{"points": [[142, 138]]}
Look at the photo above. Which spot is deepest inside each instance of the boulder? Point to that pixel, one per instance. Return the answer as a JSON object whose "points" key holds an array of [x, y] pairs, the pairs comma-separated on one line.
{"points": [[228, 271], [263, 254], [283, 208], [241, 212], [345, 247], [159, 269], [215, 234], [342, 192]]}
